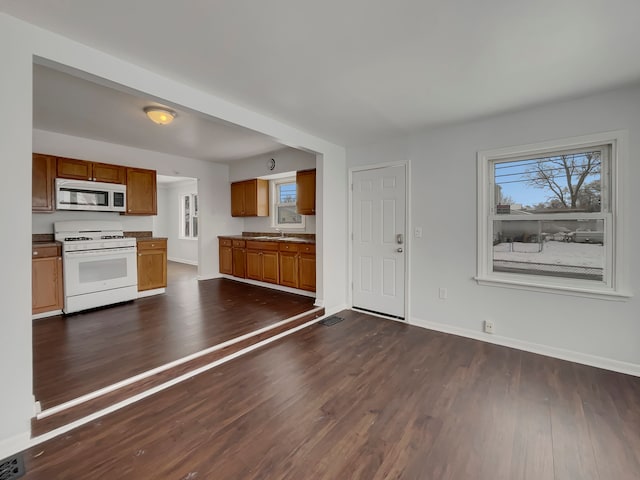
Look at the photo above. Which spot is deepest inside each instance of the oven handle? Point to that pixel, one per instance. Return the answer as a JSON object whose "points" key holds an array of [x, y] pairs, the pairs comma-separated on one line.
{"points": [[100, 253]]}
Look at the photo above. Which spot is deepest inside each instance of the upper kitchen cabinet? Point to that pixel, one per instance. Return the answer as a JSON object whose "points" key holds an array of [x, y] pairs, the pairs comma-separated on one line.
{"points": [[43, 173], [92, 171], [250, 198], [306, 192], [141, 192]]}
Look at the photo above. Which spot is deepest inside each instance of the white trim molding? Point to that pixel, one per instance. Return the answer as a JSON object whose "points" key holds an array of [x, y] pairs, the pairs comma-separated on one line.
{"points": [[554, 352]]}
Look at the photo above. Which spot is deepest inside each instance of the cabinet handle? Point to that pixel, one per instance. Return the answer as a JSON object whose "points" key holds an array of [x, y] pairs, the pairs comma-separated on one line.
{"points": [[35, 253], [139, 254]]}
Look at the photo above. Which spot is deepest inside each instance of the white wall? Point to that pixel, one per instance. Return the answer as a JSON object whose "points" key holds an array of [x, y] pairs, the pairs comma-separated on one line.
{"points": [[443, 203], [28, 43], [161, 221], [179, 249], [287, 160]]}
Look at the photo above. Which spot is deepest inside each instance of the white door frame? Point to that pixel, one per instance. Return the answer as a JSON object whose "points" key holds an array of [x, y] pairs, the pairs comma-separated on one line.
{"points": [[408, 236]]}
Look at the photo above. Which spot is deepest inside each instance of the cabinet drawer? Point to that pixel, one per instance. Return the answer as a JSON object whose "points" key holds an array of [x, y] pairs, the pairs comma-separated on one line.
{"points": [[262, 245], [287, 247], [152, 244], [45, 251], [307, 248], [225, 242], [239, 243]]}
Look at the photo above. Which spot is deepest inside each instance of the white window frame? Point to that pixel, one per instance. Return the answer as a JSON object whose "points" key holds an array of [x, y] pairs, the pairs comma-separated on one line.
{"points": [[614, 286], [275, 204], [192, 214]]}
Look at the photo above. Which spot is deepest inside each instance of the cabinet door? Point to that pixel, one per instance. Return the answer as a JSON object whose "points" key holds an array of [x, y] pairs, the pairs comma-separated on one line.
{"points": [[270, 267], [254, 264], [46, 284], [237, 199], [141, 192], [152, 269], [307, 271], [250, 198], [226, 260], [72, 168], [43, 172], [104, 172], [306, 192], [239, 262], [289, 269]]}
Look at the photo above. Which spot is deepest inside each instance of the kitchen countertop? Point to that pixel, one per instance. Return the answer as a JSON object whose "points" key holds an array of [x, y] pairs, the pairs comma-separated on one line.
{"points": [[150, 239], [275, 238], [51, 243]]}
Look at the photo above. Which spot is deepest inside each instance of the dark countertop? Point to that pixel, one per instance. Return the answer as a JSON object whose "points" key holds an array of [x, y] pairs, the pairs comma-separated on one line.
{"points": [[52, 243], [150, 239], [275, 238]]}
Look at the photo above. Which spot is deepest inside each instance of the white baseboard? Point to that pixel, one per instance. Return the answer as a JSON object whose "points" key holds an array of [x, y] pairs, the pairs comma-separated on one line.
{"points": [[183, 260], [562, 354], [150, 293], [46, 314], [210, 276], [328, 311], [12, 445], [272, 286]]}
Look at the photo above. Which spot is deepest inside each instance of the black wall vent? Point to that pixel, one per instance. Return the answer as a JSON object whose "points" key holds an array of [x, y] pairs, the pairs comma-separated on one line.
{"points": [[331, 320], [12, 467]]}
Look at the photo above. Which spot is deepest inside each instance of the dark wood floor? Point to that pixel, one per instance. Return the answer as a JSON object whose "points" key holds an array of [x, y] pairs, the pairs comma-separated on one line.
{"points": [[367, 398], [78, 354]]}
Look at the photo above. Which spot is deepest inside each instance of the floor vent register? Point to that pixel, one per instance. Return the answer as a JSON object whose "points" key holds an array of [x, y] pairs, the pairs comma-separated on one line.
{"points": [[11, 468], [332, 320]]}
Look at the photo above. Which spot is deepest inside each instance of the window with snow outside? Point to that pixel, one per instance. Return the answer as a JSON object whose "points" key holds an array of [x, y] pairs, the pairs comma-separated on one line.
{"points": [[546, 218]]}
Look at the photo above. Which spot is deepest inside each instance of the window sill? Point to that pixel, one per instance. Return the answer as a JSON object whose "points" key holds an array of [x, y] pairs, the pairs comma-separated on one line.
{"points": [[187, 238], [610, 295]]}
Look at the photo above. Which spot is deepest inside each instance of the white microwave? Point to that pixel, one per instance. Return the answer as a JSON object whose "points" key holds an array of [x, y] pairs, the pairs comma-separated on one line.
{"points": [[94, 196]]}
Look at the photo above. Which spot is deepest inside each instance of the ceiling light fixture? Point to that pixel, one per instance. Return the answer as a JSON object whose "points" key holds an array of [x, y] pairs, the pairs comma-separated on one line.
{"points": [[160, 115]]}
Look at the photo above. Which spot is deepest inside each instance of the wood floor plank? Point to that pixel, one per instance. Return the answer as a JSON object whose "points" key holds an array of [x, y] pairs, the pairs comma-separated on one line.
{"points": [[366, 399], [77, 354]]}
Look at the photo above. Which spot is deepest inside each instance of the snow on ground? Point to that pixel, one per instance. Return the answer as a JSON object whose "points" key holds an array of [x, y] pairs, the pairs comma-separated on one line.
{"points": [[554, 253]]}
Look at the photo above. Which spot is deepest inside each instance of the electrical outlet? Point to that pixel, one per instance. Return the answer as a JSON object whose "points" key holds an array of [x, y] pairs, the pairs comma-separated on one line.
{"points": [[442, 293], [418, 232], [488, 326]]}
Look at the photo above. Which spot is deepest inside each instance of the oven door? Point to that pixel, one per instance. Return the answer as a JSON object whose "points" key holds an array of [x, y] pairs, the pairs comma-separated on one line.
{"points": [[91, 271]]}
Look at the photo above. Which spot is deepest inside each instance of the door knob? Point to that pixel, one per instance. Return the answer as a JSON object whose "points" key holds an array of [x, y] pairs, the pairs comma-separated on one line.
{"points": [[400, 250]]}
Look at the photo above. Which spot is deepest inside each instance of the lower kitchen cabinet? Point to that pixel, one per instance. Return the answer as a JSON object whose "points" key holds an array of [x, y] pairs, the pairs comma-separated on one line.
{"points": [[285, 263], [239, 259], [289, 265], [152, 264], [46, 279], [262, 261], [225, 256], [307, 268]]}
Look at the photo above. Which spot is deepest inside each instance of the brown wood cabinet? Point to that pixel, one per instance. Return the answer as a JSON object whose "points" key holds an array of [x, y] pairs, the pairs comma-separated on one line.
{"points": [[307, 268], [250, 198], [152, 264], [239, 259], [225, 256], [306, 192], [288, 265], [46, 279], [141, 192], [43, 173], [285, 263], [262, 261], [92, 171]]}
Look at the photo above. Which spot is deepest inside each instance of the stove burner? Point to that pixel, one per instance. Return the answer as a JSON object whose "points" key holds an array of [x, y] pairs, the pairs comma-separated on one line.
{"points": [[76, 239], [109, 237]]}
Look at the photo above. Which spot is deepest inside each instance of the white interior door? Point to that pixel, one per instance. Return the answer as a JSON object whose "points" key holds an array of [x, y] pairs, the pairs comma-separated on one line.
{"points": [[379, 224]]}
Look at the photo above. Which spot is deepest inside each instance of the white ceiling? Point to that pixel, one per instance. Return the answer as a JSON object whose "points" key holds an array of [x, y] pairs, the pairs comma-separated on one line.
{"points": [[67, 104], [352, 71]]}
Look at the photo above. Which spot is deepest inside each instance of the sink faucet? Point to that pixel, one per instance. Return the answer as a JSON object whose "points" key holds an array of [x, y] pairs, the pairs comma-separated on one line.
{"points": [[281, 232]]}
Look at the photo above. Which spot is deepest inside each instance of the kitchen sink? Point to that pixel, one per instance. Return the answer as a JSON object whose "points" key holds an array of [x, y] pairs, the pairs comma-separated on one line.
{"points": [[291, 239]]}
